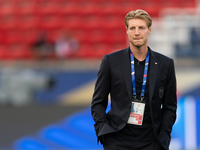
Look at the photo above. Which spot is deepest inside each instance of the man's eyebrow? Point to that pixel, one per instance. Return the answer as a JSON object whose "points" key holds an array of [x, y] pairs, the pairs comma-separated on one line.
{"points": [[138, 26]]}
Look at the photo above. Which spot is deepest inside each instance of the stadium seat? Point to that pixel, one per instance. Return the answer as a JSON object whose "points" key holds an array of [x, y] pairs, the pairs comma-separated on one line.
{"points": [[20, 51], [93, 25], [4, 52], [69, 10], [110, 10], [8, 22], [85, 51], [28, 10], [91, 9], [48, 23], [12, 36], [29, 36], [47, 8], [113, 23]]}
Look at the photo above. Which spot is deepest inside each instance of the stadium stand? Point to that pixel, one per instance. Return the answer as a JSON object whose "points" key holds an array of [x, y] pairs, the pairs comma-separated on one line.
{"points": [[97, 24]]}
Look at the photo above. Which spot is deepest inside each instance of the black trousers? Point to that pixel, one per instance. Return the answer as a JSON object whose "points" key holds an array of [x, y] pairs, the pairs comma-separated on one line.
{"points": [[114, 142]]}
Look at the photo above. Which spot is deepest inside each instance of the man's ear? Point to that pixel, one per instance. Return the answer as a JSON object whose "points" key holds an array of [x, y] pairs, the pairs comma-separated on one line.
{"points": [[150, 30]]}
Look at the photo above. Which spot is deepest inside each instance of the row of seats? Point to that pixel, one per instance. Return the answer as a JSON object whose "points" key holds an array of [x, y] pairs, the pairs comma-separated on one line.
{"points": [[77, 10], [91, 8], [30, 37], [83, 2], [61, 22]]}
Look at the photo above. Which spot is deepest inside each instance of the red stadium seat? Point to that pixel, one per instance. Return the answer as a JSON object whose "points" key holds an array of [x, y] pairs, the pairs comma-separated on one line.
{"points": [[69, 10], [11, 37], [94, 25], [8, 22], [91, 9], [29, 36], [26, 10], [49, 23], [6, 3], [20, 52], [110, 10], [47, 8], [4, 52], [28, 22], [72, 23], [85, 51], [113, 24]]}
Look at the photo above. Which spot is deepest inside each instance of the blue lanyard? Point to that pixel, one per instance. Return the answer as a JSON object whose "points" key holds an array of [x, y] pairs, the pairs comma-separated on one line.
{"points": [[144, 76]]}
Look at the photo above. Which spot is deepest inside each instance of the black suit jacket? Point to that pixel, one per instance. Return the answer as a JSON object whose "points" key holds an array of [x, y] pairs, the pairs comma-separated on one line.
{"points": [[114, 78]]}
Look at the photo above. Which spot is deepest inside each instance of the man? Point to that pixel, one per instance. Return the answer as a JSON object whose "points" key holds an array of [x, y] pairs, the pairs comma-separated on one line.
{"points": [[142, 86]]}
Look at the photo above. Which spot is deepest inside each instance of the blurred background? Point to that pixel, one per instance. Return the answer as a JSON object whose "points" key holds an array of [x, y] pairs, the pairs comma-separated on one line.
{"points": [[50, 53]]}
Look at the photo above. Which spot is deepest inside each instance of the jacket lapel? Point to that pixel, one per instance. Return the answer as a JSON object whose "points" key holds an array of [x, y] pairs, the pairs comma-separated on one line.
{"points": [[126, 70], [153, 72]]}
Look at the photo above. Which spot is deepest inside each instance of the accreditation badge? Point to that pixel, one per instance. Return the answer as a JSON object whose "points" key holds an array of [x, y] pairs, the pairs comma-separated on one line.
{"points": [[137, 113]]}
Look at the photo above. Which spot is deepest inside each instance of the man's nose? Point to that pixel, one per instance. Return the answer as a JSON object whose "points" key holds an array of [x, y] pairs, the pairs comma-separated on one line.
{"points": [[137, 32]]}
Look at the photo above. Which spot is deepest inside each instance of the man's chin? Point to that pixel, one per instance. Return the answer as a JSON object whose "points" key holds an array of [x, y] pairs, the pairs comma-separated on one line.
{"points": [[138, 45]]}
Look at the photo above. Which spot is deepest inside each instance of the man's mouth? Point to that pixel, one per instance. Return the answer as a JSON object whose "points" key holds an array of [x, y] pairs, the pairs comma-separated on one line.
{"points": [[138, 39]]}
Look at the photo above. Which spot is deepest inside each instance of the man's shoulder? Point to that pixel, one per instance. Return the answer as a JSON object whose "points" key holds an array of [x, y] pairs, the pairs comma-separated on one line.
{"points": [[117, 52], [160, 56]]}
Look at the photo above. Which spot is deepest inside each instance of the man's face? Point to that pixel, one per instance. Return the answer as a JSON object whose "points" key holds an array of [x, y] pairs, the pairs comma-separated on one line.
{"points": [[138, 32]]}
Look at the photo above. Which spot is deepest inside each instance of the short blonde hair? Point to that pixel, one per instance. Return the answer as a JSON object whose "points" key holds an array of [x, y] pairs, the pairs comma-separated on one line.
{"points": [[139, 14]]}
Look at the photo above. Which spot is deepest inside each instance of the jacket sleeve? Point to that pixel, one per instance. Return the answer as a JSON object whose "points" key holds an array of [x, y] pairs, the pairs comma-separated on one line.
{"points": [[100, 96], [169, 105]]}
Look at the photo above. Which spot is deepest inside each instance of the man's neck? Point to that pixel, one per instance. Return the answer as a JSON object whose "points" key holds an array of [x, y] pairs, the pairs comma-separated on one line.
{"points": [[139, 52]]}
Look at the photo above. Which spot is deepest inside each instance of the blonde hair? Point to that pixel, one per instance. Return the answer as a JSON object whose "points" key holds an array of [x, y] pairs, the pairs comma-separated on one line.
{"points": [[139, 14]]}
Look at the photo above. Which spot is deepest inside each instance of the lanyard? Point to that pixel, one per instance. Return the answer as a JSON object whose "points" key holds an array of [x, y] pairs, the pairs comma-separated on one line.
{"points": [[144, 76]]}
